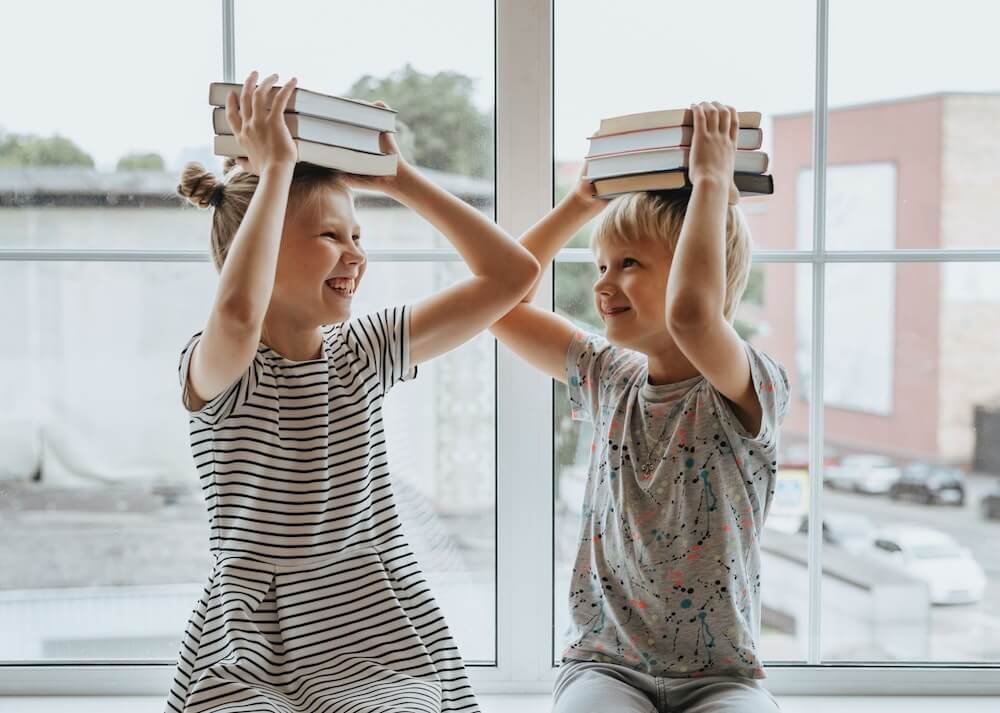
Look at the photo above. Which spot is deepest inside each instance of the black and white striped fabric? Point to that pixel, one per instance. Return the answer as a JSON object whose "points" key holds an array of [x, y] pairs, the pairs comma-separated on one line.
{"points": [[315, 602]]}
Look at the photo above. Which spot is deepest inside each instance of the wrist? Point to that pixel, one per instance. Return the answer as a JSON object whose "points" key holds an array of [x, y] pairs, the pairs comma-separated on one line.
{"points": [[712, 184], [277, 170], [583, 206], [403, 183]]}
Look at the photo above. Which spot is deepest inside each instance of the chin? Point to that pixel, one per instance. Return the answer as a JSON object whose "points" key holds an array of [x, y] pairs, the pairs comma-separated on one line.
{"points": [[337, 316], [333, 311]]}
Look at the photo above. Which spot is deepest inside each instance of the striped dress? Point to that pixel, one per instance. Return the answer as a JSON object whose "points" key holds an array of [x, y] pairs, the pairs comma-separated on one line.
{"points": [[315, 601]]}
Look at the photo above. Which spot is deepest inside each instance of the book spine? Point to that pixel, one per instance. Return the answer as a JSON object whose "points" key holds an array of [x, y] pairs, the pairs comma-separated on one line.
{"points": [[315, 105]]}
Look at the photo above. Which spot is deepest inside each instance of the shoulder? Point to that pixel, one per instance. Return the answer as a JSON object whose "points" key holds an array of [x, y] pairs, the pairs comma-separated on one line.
{"points": [[594, 353]]}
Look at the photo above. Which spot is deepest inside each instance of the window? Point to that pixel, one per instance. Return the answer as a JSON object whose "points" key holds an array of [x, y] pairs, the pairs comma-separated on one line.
{"points": [[883, 313], [637, 76], [106, 534], [904, 309]]}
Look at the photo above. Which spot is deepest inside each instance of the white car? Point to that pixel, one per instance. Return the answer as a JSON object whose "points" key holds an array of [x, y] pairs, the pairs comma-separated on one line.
{"points": [[952, 575], [872, 474]]}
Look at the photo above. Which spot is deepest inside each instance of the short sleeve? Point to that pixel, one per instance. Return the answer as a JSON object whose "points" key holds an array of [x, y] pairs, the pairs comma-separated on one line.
{"points": [[226, 403], [770, 381], [587, 358], [382, 340]]}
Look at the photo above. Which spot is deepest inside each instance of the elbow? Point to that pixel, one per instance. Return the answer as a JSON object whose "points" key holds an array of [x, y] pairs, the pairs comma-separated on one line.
{"points": [[687, 313], [534, 270], [240, 313], [524, 275]]}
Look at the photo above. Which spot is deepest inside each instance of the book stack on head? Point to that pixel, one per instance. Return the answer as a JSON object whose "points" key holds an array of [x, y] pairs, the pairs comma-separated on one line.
{"points": [[650, 152], [330, 131]]}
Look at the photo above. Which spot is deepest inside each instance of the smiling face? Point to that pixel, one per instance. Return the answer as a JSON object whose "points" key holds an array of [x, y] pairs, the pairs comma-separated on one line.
{"points": [[630, 292], [321, 261]]}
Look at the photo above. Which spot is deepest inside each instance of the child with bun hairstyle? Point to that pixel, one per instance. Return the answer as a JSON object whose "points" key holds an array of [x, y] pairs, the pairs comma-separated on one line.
{"points": [[315, 601]]}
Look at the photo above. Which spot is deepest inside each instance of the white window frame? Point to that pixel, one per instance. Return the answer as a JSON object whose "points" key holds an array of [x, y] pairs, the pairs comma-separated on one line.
{"points": [[524, 185]]}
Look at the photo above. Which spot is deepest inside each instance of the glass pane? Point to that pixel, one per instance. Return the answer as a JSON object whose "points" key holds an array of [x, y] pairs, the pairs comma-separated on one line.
{"points": [[440, 81], [572, 443], [51, 158], [116, 133], [627, 71], [929, 116], [105, 547], [911, 489], [767, 319]]}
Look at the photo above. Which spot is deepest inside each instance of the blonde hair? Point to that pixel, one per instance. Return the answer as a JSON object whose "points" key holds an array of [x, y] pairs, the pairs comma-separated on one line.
{"points": [[658, 216], [230, 196]]}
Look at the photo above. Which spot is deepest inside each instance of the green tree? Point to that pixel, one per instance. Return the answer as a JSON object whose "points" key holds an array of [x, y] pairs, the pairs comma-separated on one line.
{"points": [[18, 150], [440, 126], [141, 162]]}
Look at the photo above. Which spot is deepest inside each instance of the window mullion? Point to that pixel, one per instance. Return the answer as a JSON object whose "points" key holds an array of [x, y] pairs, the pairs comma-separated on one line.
{"points": [[68, 255], [524, 400], [816, 435], [228, 41]]}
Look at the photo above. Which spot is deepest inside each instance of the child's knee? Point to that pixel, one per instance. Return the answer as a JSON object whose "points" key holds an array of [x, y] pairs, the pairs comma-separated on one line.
{"points": [[591, 687]]}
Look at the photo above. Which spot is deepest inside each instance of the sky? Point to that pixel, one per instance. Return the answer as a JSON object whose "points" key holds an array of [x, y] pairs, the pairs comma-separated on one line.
{"points": [[119, 76]]}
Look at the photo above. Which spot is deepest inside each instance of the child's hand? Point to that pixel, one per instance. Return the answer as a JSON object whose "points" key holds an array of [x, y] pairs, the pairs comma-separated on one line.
{"points": [[261, 130], [713, 148], [584, 194], [390, 185]]}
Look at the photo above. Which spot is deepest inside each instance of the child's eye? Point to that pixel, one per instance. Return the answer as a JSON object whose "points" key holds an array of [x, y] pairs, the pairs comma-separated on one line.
{"points": [[329, 234], [629, 261], [357, 238], [601, 269]]}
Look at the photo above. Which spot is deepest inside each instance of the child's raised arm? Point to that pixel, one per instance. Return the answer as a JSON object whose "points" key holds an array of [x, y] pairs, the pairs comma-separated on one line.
{"points": [[502, 270], [232, 331], [697, 282], [536, 335]]}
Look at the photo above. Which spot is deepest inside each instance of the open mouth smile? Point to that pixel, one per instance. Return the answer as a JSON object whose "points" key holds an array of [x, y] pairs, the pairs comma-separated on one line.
{"points": [[342, 286]]}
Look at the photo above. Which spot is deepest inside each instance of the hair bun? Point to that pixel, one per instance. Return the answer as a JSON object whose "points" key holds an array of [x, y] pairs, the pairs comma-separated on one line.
{"points": [[199, 186]]}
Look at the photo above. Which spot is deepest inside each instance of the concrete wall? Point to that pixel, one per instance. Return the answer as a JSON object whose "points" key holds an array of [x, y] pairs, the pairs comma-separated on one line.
{"points": [[88, 388], [970, 296]]}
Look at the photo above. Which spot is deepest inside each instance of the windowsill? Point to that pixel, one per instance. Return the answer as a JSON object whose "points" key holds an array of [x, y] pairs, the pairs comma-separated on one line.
{"points": [[536, 704]]}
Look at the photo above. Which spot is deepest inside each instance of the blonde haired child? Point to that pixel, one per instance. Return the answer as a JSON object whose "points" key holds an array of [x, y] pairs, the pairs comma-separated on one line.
{"points": [[315, 601], [665, 592]]}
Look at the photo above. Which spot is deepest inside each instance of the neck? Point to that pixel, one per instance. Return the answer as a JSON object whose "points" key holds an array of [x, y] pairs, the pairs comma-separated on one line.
{"points": [[666, 363], [293, 341]]}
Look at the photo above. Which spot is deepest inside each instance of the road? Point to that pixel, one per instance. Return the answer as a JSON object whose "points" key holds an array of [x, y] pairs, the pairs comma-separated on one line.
{"points": [[959, 632]]}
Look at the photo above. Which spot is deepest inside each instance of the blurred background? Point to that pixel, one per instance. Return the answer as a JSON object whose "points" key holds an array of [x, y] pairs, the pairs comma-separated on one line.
{"points": [[105, 537]]}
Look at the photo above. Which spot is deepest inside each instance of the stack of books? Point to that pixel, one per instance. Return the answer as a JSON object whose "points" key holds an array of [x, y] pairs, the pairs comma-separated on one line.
{"points": [[650, 152], [330, 131]]}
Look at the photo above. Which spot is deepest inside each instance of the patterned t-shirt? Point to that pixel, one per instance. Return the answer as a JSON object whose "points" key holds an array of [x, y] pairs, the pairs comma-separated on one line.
{"points": [[667, 575]]}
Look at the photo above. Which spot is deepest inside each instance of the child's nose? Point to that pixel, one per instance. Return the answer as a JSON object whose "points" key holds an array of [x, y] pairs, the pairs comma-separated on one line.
{"points": [[354, 255], [604, 286]]}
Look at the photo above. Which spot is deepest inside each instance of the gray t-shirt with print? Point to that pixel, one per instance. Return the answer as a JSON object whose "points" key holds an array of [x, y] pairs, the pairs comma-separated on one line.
{"points": [[667, 575]]}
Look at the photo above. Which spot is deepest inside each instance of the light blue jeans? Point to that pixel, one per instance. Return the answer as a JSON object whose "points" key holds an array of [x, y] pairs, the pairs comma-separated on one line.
{"points": [[592, 687]]}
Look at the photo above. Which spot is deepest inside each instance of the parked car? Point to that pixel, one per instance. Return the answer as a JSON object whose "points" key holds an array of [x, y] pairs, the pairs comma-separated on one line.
{"points": [[952, 574], [849, 530], [989, 504], [862, 473], [927, 483]]}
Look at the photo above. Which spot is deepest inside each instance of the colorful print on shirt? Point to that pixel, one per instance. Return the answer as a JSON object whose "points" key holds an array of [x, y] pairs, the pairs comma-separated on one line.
{"points": [[667, 574]]}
